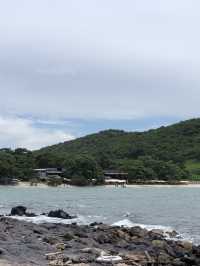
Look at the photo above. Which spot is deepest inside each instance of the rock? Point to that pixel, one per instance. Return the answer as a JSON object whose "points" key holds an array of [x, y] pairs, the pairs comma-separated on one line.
{"points": [[68, 237], [137, 231], [158, 243], [95, 224], [30, 214], [94, 251], [196, 251], [187, 246], [172, 234], [135, 258], [60, 214], [157, 232], [164, 258], [18, 211], [178, 262], [189, 260], [50, 240], [58, 262], [21, 211], [60, 246], [103, 239], [2, 251], [54, 256]]}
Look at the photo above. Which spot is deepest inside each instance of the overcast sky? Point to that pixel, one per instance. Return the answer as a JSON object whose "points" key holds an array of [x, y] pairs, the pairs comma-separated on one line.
{"points": [[73, 67]]}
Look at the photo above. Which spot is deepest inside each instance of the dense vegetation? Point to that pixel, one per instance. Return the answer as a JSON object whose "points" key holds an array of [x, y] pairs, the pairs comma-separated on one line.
{"points": [[168, 153]]}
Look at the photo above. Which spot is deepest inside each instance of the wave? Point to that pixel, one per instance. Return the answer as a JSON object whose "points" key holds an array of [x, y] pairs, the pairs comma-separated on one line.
{"points": [[167, 230], [86, 220], [128, 223], [40, 219]]}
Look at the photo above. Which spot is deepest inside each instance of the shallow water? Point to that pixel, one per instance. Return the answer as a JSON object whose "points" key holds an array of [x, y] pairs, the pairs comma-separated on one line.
{"points": [[177, 207]]}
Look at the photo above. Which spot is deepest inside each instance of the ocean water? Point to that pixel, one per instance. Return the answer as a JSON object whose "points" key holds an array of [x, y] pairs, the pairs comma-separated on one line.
{"points": [[167, 208]]}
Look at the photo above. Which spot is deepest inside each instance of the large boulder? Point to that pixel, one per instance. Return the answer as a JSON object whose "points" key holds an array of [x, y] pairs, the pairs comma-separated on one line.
{"points": [[18, 211], [21, 211], [60, 214]]}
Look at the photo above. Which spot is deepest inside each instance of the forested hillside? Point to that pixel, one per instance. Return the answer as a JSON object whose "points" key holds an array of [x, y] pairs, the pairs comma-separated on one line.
{"points": [[168, 153]]}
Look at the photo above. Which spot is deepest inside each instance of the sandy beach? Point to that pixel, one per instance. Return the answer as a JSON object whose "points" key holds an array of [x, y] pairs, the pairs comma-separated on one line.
{"points": [[43, 185]]}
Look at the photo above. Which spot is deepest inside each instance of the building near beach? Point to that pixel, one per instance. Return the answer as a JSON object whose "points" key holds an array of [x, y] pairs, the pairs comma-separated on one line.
{"points": [[114, 174], [46, 173]]}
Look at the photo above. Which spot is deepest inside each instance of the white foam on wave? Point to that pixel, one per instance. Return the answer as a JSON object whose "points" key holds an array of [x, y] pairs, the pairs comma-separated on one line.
{"points": [[40, 219], [128, 223], [165, 229], [82, 220]]}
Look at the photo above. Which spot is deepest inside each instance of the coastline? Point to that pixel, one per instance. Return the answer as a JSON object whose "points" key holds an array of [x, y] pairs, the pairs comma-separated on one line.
{"points": [[25, 243], [43, 185]]}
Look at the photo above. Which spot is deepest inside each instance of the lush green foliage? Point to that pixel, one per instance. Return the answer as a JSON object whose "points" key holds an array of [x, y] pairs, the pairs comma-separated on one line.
{"points": [[168, 153]]}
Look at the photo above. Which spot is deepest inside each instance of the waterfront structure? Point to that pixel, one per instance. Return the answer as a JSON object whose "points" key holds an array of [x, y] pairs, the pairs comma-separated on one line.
{"points": [[114, 174], [46, 173]]}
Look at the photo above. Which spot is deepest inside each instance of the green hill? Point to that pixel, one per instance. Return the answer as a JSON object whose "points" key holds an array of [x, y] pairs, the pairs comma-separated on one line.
{"points": [[179, 142], [177, 145], [167, 153]]}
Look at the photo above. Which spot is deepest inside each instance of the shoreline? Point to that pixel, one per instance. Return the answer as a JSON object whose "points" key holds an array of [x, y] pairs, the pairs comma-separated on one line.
{"points": [[43, 185], [25, 243]]}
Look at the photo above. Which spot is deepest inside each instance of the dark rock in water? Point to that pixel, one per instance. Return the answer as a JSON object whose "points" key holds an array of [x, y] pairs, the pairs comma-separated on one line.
{"points": [[30, 214], [21, 211], [60, 214], [95, 224], [18, 210]]}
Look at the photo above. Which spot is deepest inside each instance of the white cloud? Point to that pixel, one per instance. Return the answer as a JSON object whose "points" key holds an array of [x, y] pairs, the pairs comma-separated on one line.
{"points": [[18, 132], [99, 59]]}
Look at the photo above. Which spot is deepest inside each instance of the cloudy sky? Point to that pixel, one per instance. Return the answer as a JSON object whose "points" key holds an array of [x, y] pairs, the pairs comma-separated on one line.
{"points": [[73, 67]]}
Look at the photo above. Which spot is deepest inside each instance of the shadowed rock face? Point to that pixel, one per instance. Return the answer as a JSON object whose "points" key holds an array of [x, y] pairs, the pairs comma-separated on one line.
{"points": [[23, 243], [18, 210], [60, 214], [21, 211]]}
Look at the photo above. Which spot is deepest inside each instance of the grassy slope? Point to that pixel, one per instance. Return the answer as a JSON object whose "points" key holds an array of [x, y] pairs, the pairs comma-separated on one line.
{"points": [[178, 142]]}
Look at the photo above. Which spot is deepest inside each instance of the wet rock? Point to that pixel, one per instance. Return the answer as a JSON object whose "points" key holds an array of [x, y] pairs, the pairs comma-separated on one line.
{"points": [[26, 244], [68, 237], [103, 239], [158, 243], [18, 211], [164, 258], [178, 262], [95, 224], [196, 251], [172, 234], [21, 211], [137, 231], [53, 256], [60, 214], [94, 251], [187, 246], [2, 251], [30, 214], [60, 246], [157, 232], [189, 260], [50, 240]]}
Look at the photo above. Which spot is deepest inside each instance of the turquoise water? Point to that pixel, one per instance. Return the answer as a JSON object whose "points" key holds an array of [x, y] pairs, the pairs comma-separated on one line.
{"points": [[177, 207]]}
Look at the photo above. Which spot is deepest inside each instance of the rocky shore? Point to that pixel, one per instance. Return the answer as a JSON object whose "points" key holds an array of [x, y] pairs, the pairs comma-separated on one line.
{"points": [[27, 244]]}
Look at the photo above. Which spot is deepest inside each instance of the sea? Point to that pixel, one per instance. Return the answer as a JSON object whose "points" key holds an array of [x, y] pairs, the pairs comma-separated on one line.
{"points": [[163, 207]]}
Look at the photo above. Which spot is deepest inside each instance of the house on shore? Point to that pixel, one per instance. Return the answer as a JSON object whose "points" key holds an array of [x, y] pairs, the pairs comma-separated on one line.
{"points": [[114, 174], [46, 173], [117, 178]]}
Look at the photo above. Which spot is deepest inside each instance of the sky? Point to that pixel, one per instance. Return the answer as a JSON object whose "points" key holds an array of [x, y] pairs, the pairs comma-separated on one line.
{"points": [[71, 67]]}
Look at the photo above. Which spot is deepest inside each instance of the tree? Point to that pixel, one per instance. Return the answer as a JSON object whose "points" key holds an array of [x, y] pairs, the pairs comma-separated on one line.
{"points": [[82, 169]]}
